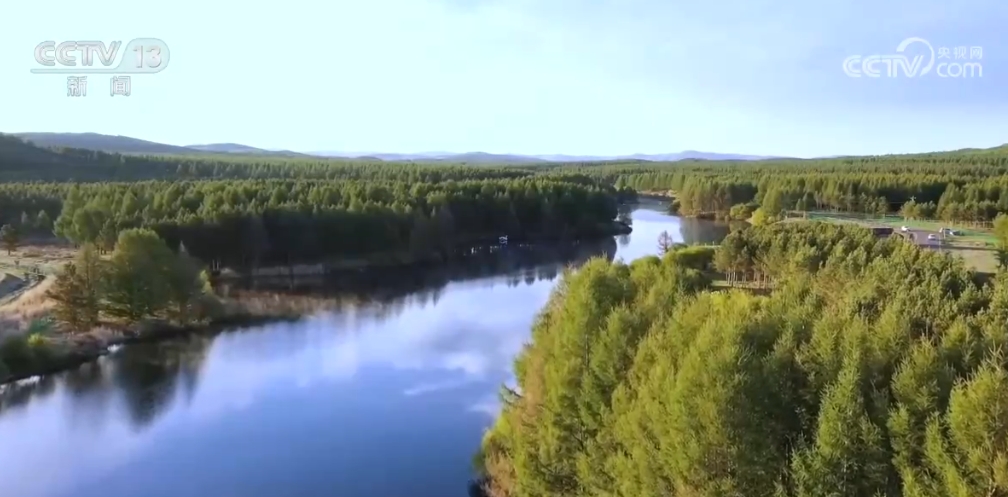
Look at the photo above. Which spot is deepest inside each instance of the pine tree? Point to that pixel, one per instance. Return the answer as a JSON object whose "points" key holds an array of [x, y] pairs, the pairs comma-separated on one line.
{"points": [[848, 456], [10, 238], [185, 287], [138, 277], [77, 291], [44, 223], [68, 295]]}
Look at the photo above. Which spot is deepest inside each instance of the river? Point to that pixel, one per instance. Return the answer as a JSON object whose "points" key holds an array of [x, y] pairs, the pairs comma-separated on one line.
{"points": [[384, 398]]}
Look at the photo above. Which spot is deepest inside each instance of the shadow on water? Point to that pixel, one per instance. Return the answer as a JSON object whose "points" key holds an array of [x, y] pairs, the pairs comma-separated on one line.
{"points": [[706, 232], [527, 263], [149, 377], [152, 375], [19, 394], [385, 292]]}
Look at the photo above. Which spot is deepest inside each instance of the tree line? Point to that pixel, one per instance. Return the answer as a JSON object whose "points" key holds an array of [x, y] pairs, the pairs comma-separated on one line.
{"points": [[969, 186], [869, 367], [972, 182], [252, 221]]}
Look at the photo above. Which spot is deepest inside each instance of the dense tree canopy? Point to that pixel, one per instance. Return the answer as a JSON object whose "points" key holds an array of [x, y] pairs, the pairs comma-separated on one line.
{"points": [[871, 367], [968, 186], [391, 198], [302, 219], [141, 279]]}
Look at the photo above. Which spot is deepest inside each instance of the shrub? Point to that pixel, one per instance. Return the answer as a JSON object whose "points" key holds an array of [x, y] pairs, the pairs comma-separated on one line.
{"points": [[741, 212], [37, 326], [17, 354], [36, 341], [693, 257]]}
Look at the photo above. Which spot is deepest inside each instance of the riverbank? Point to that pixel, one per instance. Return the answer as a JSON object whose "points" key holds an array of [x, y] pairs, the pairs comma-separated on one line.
{"points": [[663, 195], [51, 353]]}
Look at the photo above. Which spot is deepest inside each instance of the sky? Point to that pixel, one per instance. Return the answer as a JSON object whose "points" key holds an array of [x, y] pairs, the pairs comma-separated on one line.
{"points": [[588, 77]]}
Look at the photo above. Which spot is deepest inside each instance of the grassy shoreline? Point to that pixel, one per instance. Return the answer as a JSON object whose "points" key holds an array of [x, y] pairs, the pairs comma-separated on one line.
{"points": [[68, 352]]}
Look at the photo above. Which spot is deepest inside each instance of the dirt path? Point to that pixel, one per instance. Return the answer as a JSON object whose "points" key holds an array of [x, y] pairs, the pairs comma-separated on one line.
{"points": [[32, 304]]}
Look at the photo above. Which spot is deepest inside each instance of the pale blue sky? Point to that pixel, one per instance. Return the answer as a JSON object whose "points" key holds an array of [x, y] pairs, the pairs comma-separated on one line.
{"points": [[522, 76]]}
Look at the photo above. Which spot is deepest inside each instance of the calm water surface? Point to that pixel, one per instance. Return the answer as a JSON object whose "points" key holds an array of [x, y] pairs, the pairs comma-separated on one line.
{"points": [[387, 398]]}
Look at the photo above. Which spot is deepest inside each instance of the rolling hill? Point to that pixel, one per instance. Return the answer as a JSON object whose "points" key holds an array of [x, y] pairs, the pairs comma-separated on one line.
{"points": [[104, 143], [488, 158], [237, 148], [128, 145], [136, 146]]}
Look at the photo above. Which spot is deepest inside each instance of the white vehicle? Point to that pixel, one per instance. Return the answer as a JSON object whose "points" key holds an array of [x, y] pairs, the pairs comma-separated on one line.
{"points": [[904, 228], [932, 237]]}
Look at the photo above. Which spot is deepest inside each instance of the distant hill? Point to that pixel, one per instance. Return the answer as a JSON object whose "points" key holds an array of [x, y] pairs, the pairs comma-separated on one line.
{"points": [[488, 158], [104, 143], [468, 157], [485, 158], [684, 155], [237, 148], [23, 161], [694, 154], [128, 145]]}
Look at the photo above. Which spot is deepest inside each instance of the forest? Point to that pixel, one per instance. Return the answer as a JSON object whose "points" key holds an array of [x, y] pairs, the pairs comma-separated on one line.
{"points": [[964, 186], [868, 367], [240, 211], [253, 221], [967, 186]]}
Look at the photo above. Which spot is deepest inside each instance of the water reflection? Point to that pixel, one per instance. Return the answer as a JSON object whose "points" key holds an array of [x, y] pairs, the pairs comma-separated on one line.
{"points": [[701, 231], [152, 375], [385, 293], [384, 391], [18, 394], [149, 377]]}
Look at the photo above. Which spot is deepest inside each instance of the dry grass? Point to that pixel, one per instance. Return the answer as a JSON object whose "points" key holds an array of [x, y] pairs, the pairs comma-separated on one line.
{"points": [[657, 193], [979, 259], [278, 304], [49, 258], [17, 315]]}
